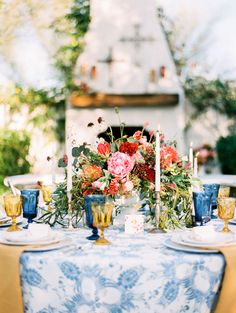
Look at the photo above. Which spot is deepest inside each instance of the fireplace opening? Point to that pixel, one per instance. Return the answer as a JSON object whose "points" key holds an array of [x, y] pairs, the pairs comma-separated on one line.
{"points": [[128, 130]]}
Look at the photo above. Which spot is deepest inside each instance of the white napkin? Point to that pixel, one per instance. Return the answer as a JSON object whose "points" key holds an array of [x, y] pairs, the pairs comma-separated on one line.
{"points": [[207, 234], [28, 236], [3, 215]]}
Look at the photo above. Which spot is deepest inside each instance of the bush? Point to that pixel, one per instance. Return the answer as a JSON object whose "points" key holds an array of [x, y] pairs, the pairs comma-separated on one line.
{"points": [[14, 149], [226, 150]]}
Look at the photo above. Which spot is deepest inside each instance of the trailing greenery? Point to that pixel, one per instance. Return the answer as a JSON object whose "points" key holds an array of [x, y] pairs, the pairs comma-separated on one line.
{"points": [[215, 94], [226, 149], [14, 149], [59, 205], [204, 94], [67, 55]]}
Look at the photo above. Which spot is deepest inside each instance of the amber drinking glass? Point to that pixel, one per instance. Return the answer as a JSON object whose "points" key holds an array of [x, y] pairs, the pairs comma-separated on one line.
{"points": [[224, 191], [102, 215], [47, 193], [13, 208], [226, 208]]}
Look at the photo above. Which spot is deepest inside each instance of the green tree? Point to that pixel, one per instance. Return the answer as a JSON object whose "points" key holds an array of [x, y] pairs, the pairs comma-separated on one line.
{"points": [[14, 149]]}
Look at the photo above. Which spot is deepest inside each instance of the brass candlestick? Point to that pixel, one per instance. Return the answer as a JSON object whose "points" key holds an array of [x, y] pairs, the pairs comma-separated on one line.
{"points": [[156, 228], [157, 209], [70, 212]]}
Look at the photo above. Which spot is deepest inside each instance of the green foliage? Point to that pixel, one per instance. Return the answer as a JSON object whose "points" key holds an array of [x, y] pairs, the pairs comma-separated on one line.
{"points": [[46, 108], [14, 148], [226, 149], [214, 94], [68, 54], [59, 205]]}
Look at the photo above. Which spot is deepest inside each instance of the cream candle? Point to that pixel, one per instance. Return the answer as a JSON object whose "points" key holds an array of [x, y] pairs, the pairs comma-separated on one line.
{"points": [[53, 170], [158, 161], [69, 164], [195, 166], [191, 154]]}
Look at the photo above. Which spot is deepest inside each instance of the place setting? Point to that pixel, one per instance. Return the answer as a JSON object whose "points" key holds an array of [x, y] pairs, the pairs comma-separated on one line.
{"points": [[31, 236], [208, 235]]}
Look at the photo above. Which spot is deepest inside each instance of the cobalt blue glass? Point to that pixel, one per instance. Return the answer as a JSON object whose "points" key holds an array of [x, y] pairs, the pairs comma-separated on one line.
{"points": [[30, 203], [88, 200], [213, 190], [202, 207]]}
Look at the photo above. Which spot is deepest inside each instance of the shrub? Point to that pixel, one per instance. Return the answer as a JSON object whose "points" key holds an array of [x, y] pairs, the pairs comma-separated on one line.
{"points": [[14, 149], [226, 150]]}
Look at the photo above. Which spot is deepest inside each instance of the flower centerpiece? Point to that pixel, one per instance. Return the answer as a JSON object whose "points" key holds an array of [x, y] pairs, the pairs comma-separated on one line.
{"points": [[124, 165], [206, 157]]}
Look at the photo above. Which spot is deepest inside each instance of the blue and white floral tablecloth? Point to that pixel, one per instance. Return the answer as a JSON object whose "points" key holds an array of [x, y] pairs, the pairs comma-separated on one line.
{"points": [[134, 274]]}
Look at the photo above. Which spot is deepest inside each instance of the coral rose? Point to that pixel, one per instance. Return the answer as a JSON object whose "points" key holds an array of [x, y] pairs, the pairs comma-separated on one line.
{"points": [[104, 148], [120, 164], [168, 156], [137, 135], [92, 172]]}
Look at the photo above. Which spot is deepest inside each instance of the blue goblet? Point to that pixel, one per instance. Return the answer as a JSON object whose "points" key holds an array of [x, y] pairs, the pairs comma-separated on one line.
{"points": [[30, 203], [213, 190], [88, 201], [202, 207]]}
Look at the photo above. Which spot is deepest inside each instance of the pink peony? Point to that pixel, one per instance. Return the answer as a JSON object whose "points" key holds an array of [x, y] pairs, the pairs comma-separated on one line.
{"points": [[120, 164]]}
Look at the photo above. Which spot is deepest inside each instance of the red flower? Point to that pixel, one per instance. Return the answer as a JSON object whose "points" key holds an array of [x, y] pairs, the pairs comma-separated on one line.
{"points": [[168, 156], [104, 148], [145, 172], [65, 159], [92, 172], [105, 191], [114, 187], [129, 148]]}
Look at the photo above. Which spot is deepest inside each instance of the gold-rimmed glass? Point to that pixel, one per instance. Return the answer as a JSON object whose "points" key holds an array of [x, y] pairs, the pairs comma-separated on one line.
{"points": [[226, 208], [102, 215], [13, 208], [47, 193], [224, 191]]}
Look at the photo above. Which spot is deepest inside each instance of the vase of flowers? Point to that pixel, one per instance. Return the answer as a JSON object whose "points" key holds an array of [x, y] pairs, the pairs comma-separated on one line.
{"points": [[124, 166]]}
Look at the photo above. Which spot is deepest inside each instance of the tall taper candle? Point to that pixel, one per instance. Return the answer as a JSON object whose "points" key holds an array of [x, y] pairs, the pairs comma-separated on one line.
{"points": [[195, 166], [69, 164], [158, 161], [191, 154]]}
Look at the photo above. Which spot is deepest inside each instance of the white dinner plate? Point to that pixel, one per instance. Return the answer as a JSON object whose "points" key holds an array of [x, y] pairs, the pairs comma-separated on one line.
{"points": [[233, 221], [56, 238], [219, 239], [180, 240], [179, 247], [59, 245], [5, 219], [8, 222]]}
